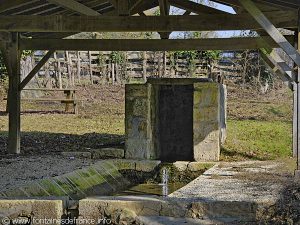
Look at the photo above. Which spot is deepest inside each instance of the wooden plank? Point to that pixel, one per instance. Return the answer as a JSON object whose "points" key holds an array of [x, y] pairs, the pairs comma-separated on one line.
{"points": [[144, 45], [14, 107], [36, 69], [69, 24], [76, 7], [271, 30]]}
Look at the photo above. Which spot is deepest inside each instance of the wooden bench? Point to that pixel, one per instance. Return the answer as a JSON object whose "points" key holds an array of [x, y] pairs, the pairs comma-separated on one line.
{"points": [[69, 101]]}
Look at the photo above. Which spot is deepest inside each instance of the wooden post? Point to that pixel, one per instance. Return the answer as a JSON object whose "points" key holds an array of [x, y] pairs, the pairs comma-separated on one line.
{"points": [[58, 71], [90, 66], [14, 96], [78, 67], [68, 94], [145, 66], [113, 73], [296, 116], [164, 63]]}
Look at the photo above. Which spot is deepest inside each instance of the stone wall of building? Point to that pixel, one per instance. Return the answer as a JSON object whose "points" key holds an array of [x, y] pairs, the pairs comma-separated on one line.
{"points": [[206, 122], [138, 121], [150, 132]]}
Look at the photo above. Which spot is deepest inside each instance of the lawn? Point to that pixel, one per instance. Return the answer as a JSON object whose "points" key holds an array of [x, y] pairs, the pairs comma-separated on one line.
{"points": [[261, 140]]}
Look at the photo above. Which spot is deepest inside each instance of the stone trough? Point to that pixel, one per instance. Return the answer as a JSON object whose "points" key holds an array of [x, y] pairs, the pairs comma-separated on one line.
{"points": [[228, 193]]}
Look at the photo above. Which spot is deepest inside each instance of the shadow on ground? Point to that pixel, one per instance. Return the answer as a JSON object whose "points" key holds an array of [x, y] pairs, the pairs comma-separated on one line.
{"points": [[44, 143], [235, 155]]}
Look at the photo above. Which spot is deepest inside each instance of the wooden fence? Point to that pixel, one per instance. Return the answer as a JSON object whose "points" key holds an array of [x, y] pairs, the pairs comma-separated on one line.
{"points": [[66, 69]]}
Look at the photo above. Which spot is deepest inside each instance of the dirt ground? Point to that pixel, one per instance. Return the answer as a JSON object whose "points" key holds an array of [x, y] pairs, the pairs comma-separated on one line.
{"points": [[19, 171]]}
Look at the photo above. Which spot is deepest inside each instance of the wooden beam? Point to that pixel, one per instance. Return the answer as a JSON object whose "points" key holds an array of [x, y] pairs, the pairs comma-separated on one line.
{"points": [[75, 6], [134, 5], [296, 118], [271, 30], [74, 24], [9, 4], [14, 107], [282, 72], [123, 7], [276, 70], [144, 45], [275, 58], [164, 7], [36, 69]]}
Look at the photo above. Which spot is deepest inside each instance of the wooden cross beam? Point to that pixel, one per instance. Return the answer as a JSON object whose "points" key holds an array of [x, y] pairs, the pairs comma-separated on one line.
{"points": [[271, 30], [40, 64], [69, 24], [134, 5], [123, 7], [76, 7], [277, 70], [275, 58], [144, 45]]}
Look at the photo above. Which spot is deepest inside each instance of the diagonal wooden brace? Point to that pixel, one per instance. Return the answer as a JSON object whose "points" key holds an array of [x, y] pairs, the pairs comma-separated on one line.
{"points": [[271, 30]]}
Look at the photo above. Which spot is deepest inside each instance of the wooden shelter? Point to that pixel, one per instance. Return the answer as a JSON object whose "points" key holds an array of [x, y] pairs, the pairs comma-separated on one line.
{"points": [[42, 25]]}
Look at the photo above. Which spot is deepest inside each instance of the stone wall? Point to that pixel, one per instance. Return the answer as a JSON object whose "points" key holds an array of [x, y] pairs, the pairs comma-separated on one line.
{"points": [[151, 108], [137, 123], [206, 122]]}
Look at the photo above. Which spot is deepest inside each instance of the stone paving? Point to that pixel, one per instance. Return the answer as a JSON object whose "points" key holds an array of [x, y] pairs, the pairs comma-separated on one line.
{"points": [[228, 193], [250, 181]]}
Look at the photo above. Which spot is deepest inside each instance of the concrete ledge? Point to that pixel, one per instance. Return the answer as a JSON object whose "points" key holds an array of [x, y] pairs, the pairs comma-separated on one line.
{"points": [[146, 165], [40, 209]]}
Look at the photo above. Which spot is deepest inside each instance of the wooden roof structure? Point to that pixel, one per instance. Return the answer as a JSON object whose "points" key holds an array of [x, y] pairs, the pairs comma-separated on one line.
{"points": [[44, 24]]}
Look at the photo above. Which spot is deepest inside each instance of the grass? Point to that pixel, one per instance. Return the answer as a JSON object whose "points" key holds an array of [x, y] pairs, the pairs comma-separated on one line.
{"points": [[261, 140], [256, 130]]}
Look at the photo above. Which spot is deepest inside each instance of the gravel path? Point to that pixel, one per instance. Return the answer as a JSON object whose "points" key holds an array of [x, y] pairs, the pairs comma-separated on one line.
{"points": [[22, 170]]}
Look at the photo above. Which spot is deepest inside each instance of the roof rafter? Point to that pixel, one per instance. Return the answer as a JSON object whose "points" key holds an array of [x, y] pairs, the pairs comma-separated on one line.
{"points": [[195, 7], [271, 30], [76, 7]]}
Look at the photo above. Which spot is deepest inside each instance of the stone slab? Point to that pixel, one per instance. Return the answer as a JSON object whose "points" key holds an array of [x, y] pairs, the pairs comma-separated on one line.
{"points": [[124, 164], [162, 220], [127, 207], [147, 165], [233, 190], [197, 166], [181, 165], [41, 209]]}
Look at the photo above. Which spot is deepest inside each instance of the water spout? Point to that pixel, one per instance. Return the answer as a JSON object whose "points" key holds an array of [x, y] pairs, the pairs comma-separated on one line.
{"points": [[165, 181]]}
